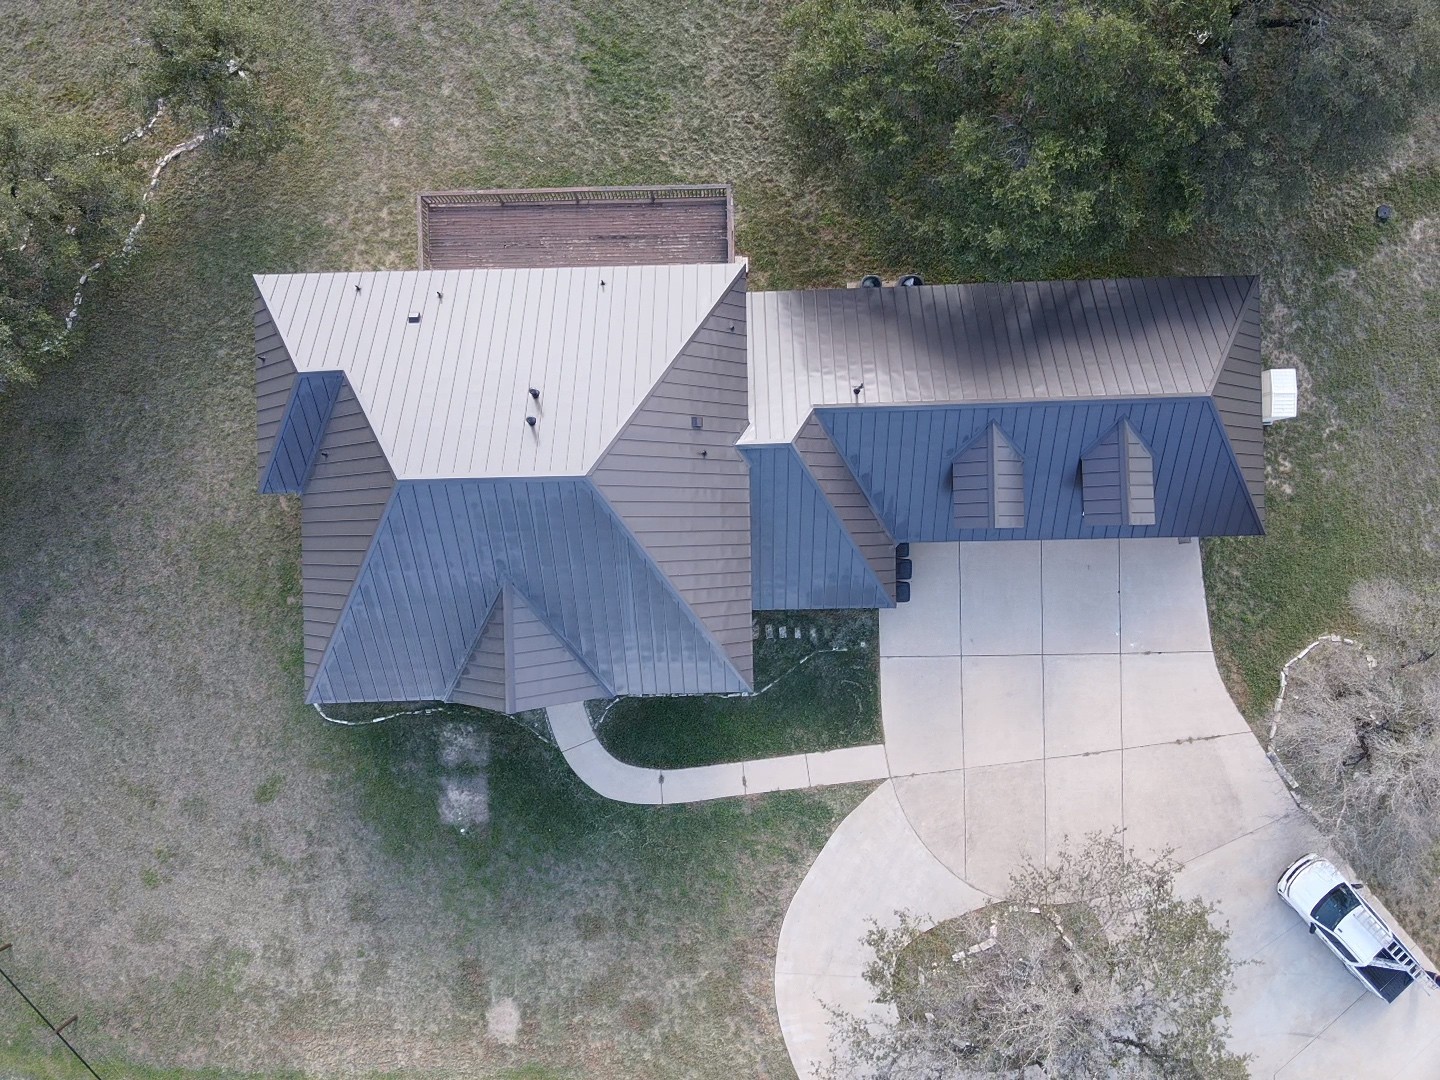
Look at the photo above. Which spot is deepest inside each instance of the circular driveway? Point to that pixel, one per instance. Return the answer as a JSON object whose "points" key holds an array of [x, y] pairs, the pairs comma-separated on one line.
{"points": [[1032, 691]]}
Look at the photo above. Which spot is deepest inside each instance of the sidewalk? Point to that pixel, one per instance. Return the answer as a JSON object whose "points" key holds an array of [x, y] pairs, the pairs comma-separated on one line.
{"points": [[628, 783]]}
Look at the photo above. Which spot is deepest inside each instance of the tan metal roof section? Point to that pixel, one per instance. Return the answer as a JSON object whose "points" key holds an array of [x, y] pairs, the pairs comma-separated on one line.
{"points": [[1237, 396], [582, 226], [843, 494], [674, 477], [988, 483], [448, 393], [482, 683], [542, 669], [1118, 479], [519, 664], [342, 506], [954, 344]]}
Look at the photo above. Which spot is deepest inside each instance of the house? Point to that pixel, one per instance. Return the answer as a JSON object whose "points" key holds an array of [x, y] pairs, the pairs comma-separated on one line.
{"points": [[570, 456]]}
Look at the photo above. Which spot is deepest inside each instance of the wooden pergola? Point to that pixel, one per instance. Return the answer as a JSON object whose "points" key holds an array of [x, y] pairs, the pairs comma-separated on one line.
{"points": [[590, 226]]}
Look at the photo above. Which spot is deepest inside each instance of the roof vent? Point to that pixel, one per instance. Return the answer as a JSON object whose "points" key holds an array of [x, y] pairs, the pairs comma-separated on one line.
{"points": [[1279, 395], [697, 422], [871, 281], [530, 420], [413, 317], [910, 281]]}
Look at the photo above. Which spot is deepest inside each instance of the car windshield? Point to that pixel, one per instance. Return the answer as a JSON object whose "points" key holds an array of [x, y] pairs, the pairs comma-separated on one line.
{"points": [[1335, 905]]}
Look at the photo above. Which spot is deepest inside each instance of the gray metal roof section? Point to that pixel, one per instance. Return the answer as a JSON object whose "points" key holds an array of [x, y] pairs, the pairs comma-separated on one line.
{"points": [[901, 456], [1030, 341], [848, 501], [443, 553], [1117, 475], [301, 429], [804, 557], [988, 476], [1237, 396], [448, 393]]}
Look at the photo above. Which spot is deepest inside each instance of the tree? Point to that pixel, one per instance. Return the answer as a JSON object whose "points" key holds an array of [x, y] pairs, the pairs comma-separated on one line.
{"points": [[1092, 968], [206, 64], [1360, 734], [71, 204], [65, 205], [1013, 136], [1316, 87]]}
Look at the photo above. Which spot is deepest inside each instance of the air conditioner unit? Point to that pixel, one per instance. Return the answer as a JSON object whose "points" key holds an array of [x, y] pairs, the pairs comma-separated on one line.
{"points": [[1279, 395]]}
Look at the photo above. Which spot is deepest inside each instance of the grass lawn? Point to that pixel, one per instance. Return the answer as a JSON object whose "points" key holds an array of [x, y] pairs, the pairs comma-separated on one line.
{"points": [[218, 882], [817, 692]]}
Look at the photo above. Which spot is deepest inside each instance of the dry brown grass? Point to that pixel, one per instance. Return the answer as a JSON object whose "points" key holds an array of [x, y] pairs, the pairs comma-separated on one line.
{"points": [[189, 858]]}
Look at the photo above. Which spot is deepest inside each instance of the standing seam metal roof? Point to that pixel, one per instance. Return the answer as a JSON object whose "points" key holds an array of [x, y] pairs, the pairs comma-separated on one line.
{"points": [[447, 396], [955, 344]]}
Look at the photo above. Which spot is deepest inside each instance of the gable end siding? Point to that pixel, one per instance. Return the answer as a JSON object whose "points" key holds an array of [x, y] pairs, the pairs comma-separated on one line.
{"points": [[690, 513], [543, 670], [1237, 398], [988, 480], [274, 380], [339, 513], [483, 683], [848, 501]]}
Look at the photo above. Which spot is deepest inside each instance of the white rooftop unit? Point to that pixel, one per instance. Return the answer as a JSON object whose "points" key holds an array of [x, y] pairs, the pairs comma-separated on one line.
{"points": [[1279, 395]]}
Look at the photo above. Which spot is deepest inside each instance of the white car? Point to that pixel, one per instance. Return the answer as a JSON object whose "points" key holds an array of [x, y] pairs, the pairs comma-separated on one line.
{"points": [[1340, 917]]}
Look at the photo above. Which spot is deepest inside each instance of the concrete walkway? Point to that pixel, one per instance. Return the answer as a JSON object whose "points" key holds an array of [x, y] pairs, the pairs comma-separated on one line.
{"points": [[628, 783], [1034, 691]]}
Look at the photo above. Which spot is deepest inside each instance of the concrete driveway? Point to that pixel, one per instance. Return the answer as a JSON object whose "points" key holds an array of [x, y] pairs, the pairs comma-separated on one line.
{"points": [[1034, 691]]}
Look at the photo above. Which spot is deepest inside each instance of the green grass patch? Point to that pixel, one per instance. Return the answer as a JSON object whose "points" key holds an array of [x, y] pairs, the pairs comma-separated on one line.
{"points": [[818, 690]]}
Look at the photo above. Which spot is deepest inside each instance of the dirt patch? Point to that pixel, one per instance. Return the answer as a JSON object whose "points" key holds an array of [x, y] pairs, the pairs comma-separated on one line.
{"points": [[502, 1021]]}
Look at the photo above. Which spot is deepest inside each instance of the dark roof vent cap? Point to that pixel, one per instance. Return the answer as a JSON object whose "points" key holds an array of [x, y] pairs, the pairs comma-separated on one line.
{"points": [[871, 281], [413, 317], [912, 280]]}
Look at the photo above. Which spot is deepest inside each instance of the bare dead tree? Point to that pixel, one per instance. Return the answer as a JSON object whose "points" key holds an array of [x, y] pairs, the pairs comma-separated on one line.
{"points": [[1092, 968], [1360, 734]]}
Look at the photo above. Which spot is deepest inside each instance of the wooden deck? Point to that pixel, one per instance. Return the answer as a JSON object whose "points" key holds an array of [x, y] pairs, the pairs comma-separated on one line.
{"points": [[619, 226]]}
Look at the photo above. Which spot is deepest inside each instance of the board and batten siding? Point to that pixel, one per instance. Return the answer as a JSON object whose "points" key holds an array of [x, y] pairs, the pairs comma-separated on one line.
{"points": [[340, 510], [274, 380], [849, 502], [684, 490], [1237, 396]]}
